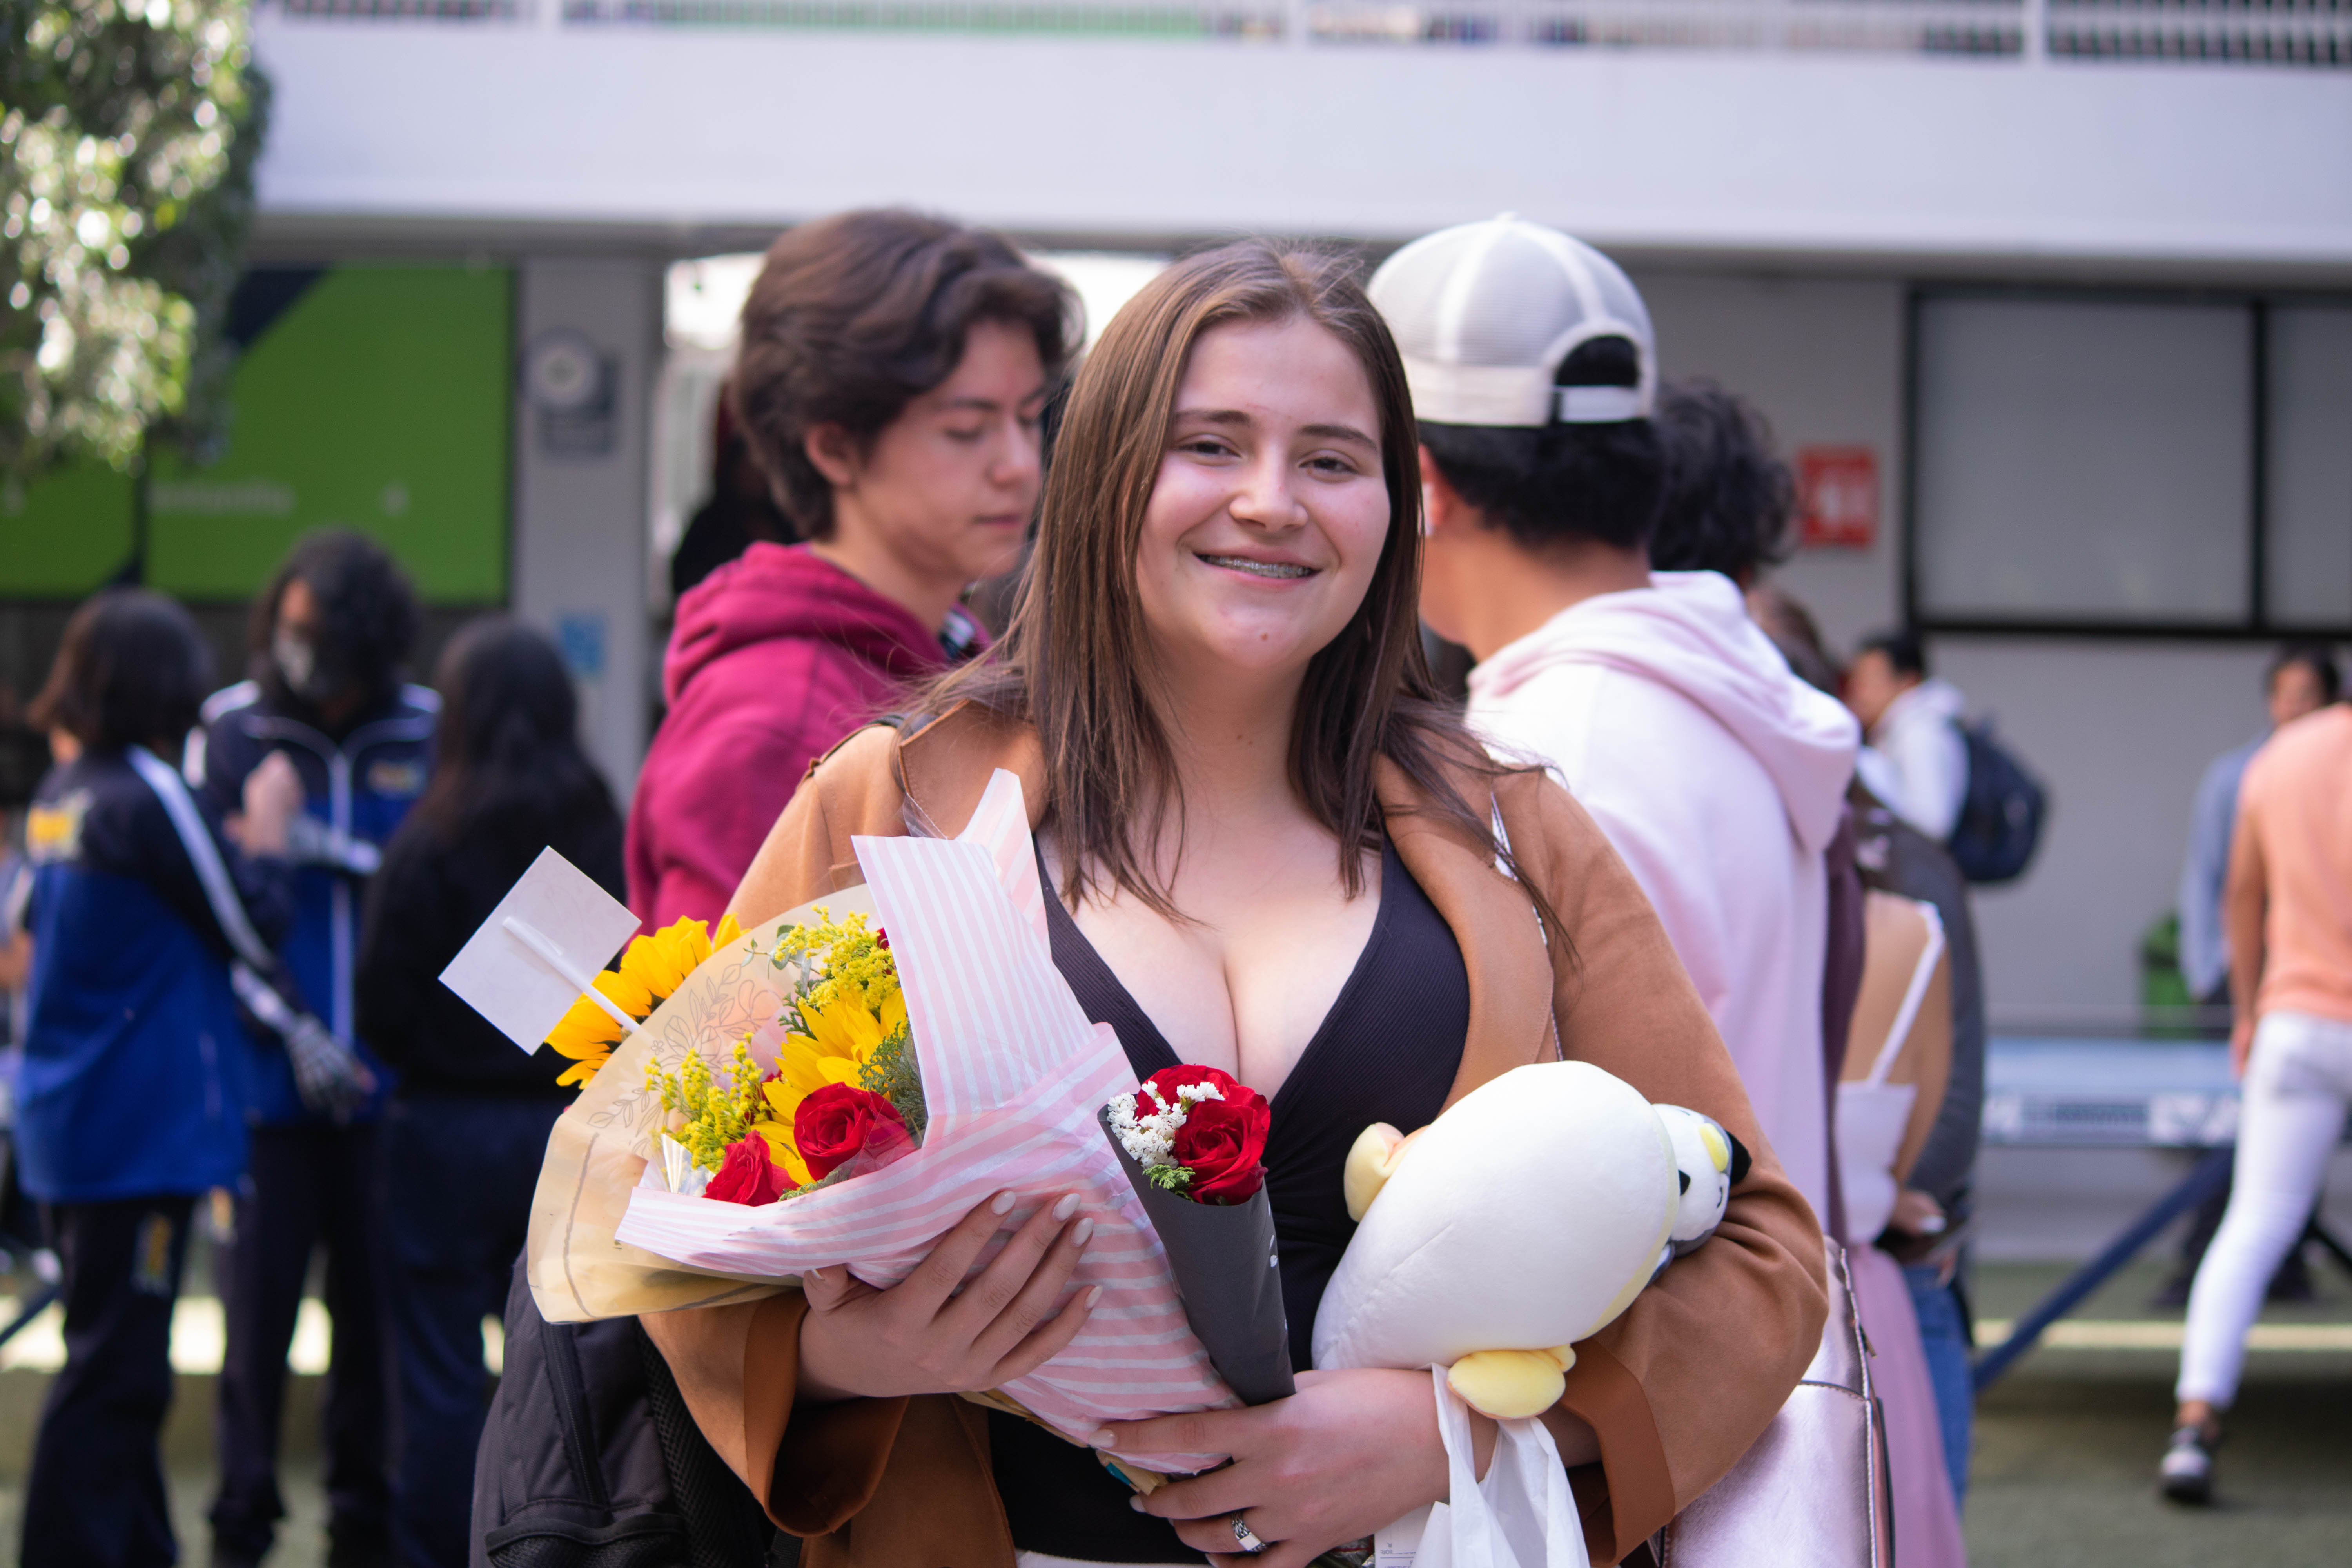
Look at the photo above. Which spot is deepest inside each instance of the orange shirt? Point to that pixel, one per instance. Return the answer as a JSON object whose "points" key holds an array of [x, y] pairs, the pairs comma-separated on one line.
{"points": [[2295, 819]]}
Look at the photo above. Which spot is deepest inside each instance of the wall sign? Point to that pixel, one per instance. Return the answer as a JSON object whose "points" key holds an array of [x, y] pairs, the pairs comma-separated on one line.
{"points": [[571, 384], [1837, 497]]}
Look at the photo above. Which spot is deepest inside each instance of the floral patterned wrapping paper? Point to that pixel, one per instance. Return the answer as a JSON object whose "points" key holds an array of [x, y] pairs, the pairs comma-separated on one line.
{"points": [[601, 1144]]}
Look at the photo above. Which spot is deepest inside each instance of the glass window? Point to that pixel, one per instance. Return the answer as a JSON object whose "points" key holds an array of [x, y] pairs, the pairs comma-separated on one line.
{"points": [[2310, 501], [2083, 460]]}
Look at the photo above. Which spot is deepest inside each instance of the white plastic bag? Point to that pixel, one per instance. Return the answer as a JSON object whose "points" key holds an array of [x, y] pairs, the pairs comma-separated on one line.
{"points": [[1521, 1516]]}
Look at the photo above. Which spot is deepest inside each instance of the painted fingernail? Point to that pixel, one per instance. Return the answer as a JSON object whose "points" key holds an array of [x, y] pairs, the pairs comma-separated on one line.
{"points": [[1067, 1207], [1101, 1440], [1093, 1296], [1135, 1503], [1079, 1232], [1001, 1203]]}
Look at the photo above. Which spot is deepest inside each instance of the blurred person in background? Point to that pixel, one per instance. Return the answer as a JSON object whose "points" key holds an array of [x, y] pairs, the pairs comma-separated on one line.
{"points": [[2302, 679], [2288, 912], [1784, 619], [1930, 1225], [1929, 1230], [1728, 503], [133, 1091], [740, 512], [468, 1121], [1915, 761], [24, 758], [1891, 1091], [1729, 497], [328, 637], [893, 371], [1717, 775]]}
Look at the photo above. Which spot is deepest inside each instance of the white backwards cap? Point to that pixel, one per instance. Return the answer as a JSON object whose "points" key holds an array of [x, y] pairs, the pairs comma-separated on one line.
{"points": [[1484, 314]]}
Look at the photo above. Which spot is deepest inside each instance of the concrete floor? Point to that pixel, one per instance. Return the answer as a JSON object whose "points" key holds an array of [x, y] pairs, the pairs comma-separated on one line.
{"points": [[2065, 1453], [188, 1454]]}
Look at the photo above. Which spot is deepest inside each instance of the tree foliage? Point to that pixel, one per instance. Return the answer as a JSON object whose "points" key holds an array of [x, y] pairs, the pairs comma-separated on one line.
{"points": [[128, 134]]}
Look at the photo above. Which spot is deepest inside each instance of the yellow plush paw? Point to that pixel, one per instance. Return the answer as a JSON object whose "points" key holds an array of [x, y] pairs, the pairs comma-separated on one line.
{"points": [[1511, 1385], [1371, 1162]]}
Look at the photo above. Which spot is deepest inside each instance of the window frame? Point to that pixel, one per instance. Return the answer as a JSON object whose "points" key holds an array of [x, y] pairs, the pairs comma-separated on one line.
{"points": [[2256, 624]]}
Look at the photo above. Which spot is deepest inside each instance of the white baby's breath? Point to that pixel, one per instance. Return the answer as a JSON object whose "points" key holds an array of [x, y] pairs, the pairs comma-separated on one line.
{"points": [[1149, 1137]]}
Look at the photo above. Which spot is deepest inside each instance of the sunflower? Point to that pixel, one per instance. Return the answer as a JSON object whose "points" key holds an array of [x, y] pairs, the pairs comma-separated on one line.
{"points": [[841, 1039], [653, 967]]}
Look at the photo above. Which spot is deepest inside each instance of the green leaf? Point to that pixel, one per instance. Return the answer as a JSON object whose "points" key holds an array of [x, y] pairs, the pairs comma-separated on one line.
{"points": [[891, 1072], [127, 149]]}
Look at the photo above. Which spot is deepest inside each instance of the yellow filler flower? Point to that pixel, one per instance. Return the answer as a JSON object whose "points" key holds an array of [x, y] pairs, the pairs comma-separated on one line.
{"points": [[653, 967], [847, 1015]]}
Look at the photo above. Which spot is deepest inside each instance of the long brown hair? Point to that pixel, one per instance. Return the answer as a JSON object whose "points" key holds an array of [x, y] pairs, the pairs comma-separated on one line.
{"points": [[1069, 663]]}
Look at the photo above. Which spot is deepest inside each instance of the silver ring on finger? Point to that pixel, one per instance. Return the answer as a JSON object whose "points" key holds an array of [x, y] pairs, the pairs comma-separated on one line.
{"points": [[1243, 1535]]}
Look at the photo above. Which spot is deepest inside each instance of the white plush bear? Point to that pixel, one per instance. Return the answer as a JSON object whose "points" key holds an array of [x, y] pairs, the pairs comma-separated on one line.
{"points": [[1526, 1218]]}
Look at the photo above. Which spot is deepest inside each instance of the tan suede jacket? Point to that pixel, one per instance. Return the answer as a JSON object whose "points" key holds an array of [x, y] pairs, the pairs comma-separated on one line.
{"points": [[1675, 1389]]}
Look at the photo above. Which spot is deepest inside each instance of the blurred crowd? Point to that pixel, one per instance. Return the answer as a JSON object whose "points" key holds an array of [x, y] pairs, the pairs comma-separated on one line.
{"points": [[229, 907]]}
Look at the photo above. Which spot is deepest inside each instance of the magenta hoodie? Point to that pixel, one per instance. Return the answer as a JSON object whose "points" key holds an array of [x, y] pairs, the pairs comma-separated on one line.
{"points": [[775, 658]]}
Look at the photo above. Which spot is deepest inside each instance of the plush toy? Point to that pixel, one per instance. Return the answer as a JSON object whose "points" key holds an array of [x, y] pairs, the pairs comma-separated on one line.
{"points": [[1524, 1218]]}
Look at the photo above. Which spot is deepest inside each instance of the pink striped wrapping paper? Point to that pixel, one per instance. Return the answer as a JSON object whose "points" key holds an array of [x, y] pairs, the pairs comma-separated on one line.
{"points": [[1012, 1074]]}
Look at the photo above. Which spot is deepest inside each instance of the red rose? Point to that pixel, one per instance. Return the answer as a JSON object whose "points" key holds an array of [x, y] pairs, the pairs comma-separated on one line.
{"points": [[1167, 1080], [748, 1174], [838, 1122], [1223, 1143]]}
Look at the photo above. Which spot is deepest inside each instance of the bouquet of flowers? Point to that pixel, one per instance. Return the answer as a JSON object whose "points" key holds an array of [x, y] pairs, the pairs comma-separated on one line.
{"points": [[1193, 1142], [841, 1086], [843, 1096]]}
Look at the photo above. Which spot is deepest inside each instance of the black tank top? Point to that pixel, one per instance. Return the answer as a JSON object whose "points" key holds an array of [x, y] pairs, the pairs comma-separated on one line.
{"points": [[1387, 1051]]}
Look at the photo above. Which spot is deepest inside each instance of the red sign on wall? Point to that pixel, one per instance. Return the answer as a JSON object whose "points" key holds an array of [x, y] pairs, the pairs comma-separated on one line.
{"points": [[1837, 497]]}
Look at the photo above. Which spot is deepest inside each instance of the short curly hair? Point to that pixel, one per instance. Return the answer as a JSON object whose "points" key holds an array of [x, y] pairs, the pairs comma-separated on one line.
{"points": [[1729, 497], [855, 316]]}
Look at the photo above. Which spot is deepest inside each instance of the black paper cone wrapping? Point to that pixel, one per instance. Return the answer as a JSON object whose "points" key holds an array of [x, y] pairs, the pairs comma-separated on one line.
{"points": [[1228, 1274]]}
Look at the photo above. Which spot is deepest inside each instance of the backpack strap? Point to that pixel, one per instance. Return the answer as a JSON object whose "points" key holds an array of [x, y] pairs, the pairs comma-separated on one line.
{"points": [[725, 1526]]}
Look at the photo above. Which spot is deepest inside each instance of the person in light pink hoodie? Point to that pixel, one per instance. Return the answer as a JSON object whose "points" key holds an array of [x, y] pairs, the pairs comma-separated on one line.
{"points": [[893, 372], [1718, 776]]}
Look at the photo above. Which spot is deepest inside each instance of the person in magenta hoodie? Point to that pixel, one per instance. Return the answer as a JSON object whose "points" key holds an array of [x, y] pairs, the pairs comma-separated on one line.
{"points": [[893, 372]]}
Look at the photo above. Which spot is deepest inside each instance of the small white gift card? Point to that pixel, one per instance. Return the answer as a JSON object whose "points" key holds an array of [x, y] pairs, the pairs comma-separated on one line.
{"points": [[540, 951]]}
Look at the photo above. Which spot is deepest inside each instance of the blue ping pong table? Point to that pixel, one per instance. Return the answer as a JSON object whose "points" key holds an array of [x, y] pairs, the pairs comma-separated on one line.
{"points": [[2112, 1094]]}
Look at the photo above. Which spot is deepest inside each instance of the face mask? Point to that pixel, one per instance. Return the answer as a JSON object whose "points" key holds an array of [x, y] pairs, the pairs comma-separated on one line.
{"points": [[298, 661]]}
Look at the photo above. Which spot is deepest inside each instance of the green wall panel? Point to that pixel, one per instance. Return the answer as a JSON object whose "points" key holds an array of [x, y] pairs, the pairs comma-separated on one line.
{"points": [[63, 535], [379, 399]]}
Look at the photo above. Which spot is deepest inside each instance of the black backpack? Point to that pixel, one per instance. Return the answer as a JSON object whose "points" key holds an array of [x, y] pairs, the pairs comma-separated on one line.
{"points": [[2000, 818], [590, 1459]]}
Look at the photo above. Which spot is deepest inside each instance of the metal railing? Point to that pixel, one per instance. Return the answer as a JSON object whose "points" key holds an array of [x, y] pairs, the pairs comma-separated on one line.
{"points": [[2308, 33]]}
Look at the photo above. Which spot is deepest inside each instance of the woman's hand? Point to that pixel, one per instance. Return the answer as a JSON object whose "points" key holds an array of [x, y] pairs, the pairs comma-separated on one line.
{"points": [[1917, 1214], [1349, 1453], [931, 1334], [273, 795]]}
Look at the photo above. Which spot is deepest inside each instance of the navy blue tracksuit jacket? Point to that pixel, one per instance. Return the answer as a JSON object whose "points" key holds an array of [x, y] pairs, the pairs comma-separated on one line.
{"points": [[358, 789], [135, 1073]]}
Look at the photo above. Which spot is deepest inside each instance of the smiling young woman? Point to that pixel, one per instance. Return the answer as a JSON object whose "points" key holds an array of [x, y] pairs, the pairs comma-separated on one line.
{"points": [[1278, 853]]}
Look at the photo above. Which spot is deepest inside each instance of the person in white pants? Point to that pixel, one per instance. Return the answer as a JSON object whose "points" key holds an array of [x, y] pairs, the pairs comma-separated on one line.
{"points": [[2289, 913]]}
